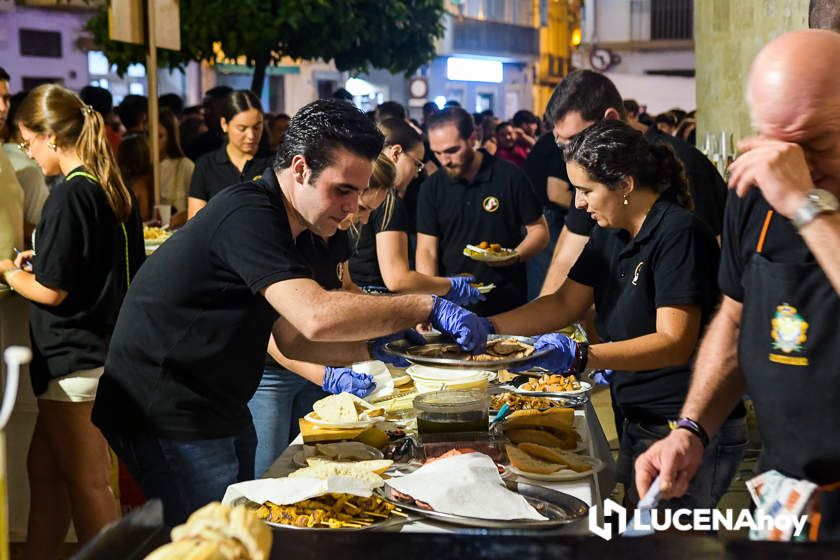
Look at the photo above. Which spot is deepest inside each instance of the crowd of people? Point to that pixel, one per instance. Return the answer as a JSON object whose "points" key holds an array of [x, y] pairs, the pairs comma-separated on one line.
{"points": [[306, 243]]}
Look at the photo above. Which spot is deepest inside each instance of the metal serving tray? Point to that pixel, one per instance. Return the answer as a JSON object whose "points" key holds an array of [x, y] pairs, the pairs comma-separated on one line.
{"points": [[560, 509], [408, 350]]}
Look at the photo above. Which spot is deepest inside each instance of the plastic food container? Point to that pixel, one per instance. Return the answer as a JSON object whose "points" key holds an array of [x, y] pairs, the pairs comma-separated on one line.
{"points": [[451, 411], [429, 379]]}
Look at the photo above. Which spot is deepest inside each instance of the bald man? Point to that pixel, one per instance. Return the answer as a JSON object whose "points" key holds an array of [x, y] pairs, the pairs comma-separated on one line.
{"points": [[780, 275]]}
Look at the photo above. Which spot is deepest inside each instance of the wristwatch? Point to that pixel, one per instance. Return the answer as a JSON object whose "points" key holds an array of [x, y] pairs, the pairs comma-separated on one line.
{"points": [[818, 201]]}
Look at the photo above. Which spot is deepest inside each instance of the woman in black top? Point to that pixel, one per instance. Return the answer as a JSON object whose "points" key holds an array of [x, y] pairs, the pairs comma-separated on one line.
{"points": [[380, 261], [85, 251], [650, 269], [239, 159]]}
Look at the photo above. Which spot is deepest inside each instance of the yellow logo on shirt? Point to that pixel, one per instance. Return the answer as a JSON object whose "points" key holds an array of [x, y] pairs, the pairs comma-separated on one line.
{"points": [[789, 334], [490, 204]]}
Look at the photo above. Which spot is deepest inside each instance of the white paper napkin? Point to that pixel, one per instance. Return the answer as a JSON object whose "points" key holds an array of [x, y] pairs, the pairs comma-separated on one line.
{"points": [[467, 485], [284, 491]]}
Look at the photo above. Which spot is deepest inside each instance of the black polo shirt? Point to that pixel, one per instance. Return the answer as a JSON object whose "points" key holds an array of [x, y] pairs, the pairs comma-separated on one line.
{"points": [[214, 171], [495, 207], [364, 264], [81, 249], [672, 261], [742, 227], [708, 189], [324, 259], [546, 160], [188, 348]]}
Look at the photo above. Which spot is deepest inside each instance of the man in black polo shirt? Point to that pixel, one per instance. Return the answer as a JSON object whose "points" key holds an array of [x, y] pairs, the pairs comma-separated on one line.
{"points": [[585, 97], [476, 197], [775, 336], [188, 347]]}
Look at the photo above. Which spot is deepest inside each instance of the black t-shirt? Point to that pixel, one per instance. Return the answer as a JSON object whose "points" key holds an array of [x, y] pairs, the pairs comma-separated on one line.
{"points": [[204, 143], [494, 207], [364, 264], [708, 189], [325, 259], [214, 171], [742, 227], [188, 348], [81, 249], [546, 160], [672, 261]]}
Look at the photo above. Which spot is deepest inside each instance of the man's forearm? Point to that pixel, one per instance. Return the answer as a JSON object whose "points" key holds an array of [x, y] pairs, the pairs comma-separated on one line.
{"points": [[717, 382], [292, 347], [823, 237], [347, 317]]}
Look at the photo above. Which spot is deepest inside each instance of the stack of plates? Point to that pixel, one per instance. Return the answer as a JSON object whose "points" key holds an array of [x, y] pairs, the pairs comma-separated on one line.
{"points": [[428, 379]]}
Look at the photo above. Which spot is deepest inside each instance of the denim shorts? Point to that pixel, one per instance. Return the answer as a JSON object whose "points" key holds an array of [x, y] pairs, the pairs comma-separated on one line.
{"points": [[186, 475], [720, 462]]}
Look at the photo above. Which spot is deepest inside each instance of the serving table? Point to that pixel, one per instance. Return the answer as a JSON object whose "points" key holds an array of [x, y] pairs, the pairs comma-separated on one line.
{"points": [[591, 489]]}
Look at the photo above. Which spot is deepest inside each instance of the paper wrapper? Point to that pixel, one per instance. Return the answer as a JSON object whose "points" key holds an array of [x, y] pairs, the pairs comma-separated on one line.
{"points": [[381, 376], [285, 491], [467, 485]]}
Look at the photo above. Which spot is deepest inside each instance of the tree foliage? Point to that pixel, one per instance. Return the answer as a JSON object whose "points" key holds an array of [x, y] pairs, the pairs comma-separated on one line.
{"points": [[394, 35]]}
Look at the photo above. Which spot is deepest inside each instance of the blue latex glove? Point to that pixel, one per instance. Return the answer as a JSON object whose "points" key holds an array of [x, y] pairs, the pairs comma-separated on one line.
{"points": [[560, 357], [378, 349], [468, 329], [461, 293], [602, 376], [345, 380]]}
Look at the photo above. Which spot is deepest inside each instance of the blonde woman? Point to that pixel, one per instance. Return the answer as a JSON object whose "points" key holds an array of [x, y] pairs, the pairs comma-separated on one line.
{"points": [[86, 249], [380, 262]]}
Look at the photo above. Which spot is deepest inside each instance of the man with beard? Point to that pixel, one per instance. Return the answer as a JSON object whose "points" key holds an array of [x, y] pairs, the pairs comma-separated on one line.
{"points": [[476, 197]]}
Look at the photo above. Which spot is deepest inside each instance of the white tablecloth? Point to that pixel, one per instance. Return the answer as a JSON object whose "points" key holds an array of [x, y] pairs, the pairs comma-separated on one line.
{"points": [[590, 489]]}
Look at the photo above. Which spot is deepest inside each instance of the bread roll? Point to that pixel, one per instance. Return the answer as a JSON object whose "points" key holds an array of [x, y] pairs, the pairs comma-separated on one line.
{"points": [[526, 463], [328, 470], [189, 549], [377, 466], [542, 437], [569, 460], [554, 417]]}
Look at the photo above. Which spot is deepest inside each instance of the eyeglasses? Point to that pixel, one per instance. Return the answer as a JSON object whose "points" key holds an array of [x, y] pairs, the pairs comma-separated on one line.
{"points": [[420, 165]]}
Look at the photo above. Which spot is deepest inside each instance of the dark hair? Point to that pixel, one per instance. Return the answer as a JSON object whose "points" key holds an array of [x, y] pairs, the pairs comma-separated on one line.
{"points": [[132, 109], [239, 101], [52, 109], [646, 119], [133, 157], [429, 107], [488, 128], [342, 95], [323, 126], [586, 92], [678, 113], [668, 118], [169, 121], [523, 116], [397, 132], [501, 125], [99, 98], [14, 104], [451, 103], [611, 150], [4, 75], [173, 102], [631, 106], [218, 92], [455, 116], [824, 14], [390, 110], [192, 110]]}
